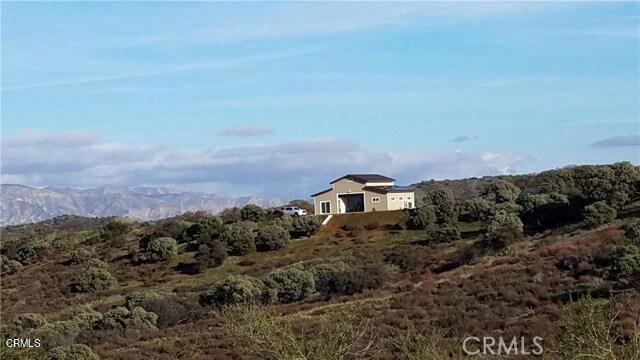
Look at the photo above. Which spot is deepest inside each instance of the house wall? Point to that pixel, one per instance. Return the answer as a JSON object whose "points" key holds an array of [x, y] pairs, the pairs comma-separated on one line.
{"points": [[396, 203], [377, 206], [328, 196]]}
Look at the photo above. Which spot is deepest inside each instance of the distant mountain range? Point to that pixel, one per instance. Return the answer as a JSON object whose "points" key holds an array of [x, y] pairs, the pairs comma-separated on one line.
{"points": [[24, 204]]}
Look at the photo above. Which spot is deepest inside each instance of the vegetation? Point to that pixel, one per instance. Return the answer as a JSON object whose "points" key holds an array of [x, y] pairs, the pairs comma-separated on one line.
{"points": [[272, 237], [515, 256]]}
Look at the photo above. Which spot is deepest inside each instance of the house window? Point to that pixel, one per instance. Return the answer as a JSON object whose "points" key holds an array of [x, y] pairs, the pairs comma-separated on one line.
{"points": [[393, 198], [408, 197], [375, 199], [325, 207], [399, 197]]}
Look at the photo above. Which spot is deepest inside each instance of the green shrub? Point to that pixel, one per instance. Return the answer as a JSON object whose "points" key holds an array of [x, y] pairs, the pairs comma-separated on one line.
{"points": [[626, 261], [126, 321], [284, 221], [31, 252], [95, 277], [239, 238], [443, 204], [632, 232], [444, 234], [115, 231], [304, 225], [80, 256], [586, 333], [173, 310], [479, 208], [233, 290], [204, 231], [23, 323], [138, 298], [418, 219], [9, 267], [72, 352], [211, 255], [405, 257], [254, 213], [161, 249], [272, 237], [326, 276], [289, 285], [500, 191], [598, 213], [504, 229], [360, 278]]}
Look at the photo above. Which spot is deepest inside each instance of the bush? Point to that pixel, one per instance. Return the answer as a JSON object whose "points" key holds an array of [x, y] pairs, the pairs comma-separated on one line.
{"points": [[626, 261], [372, 226], [9, 267], [418, 219], [360, 278], [504, 229], [234, 289], [95, 277], [239, 238], [72, 352], [598, 213], [80, 256], [138, 298], [23, 323], [272, 237], [126, 321], [115, 231], [289, 285], [284, 221], [445, 233], [500, 191], [251, 212], [406, 257], [31, 252], [443, 203], [161, 249], [304, 226], [479, 208], [206, 230], [632, 232], [210, 256], [172, 310], [326, 276]]}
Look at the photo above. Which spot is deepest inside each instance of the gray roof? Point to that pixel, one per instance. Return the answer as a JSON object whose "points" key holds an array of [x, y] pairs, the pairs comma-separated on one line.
{"points": [[388, 189], [321, 192], [365, 178]]}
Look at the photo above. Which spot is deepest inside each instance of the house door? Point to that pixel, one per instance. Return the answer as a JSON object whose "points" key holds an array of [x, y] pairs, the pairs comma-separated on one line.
{"points": [[341, 207]]}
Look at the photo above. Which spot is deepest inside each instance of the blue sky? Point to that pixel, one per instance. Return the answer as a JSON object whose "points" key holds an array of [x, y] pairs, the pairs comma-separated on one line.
{"points": [[275, 99]]}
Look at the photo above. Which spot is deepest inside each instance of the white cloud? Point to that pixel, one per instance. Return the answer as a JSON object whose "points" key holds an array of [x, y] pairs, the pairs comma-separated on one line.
{"points": [[246, 130], [289, 169]]}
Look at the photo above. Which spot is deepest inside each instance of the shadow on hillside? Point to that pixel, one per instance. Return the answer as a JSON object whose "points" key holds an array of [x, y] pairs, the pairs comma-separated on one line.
{"points": [[187, 268]]}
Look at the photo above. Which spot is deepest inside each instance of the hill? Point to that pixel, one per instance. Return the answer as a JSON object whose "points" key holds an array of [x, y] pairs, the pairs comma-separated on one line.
{"points": [[385, 285]]}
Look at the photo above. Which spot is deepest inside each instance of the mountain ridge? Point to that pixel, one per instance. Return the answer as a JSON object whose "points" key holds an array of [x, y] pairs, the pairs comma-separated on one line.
{"points": [[25, 204]]}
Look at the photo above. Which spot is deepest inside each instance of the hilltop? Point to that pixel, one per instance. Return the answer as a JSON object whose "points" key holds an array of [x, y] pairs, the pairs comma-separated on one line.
{"points": [[544, 255]]}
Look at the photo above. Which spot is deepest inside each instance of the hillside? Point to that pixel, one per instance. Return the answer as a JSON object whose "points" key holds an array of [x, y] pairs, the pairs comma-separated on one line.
{"points": [[24, 204], [386, 285]]}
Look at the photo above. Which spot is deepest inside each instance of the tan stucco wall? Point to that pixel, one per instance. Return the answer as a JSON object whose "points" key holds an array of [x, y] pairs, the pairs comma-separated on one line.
{"points": [[346, 186], [398, 204]]}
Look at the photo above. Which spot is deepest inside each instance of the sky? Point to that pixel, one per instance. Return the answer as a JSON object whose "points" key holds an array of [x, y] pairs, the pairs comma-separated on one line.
{"points": [[276, 99]]}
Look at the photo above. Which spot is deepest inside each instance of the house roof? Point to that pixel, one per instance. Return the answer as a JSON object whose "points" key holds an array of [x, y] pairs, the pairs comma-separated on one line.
{"points": [[388, 189], [365, 178], [321, 192]]}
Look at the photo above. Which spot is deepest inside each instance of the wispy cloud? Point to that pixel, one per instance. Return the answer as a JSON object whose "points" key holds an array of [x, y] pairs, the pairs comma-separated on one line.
{"points": [[295, 168], [246, 130], [463, 138], [618, 141]]}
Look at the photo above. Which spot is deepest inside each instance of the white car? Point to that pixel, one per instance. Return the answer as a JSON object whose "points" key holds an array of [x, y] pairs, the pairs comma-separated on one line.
{"points": [[293, 211]]}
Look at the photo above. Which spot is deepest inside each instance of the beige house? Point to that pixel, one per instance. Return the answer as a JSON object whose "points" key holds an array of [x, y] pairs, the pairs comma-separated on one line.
{"points": [[363, 193]]}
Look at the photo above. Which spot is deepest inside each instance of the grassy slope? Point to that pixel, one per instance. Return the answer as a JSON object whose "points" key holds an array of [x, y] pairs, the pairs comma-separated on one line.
{"points": [[514, 292]]}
